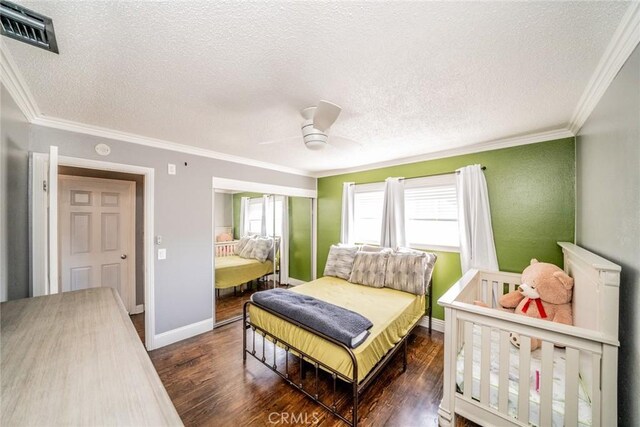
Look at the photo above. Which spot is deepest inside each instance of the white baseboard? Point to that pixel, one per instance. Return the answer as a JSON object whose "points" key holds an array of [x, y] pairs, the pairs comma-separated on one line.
{"points": [[295, 282], [436, 324], [139, 309], [182, 333]]}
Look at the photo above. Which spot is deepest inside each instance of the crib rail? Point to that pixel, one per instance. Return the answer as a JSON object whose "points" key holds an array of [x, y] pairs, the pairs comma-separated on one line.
{"points": [[530, 376], [490, 381], [223, 249]]}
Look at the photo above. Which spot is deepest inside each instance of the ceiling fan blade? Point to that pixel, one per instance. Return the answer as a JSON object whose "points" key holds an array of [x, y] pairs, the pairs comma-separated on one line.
{"points": [[281, 140], [344, 142], [325, 115]]}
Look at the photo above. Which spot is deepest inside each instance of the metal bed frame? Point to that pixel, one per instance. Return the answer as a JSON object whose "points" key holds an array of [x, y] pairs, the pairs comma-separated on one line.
{"points": [[277, 274], [357, 387]]}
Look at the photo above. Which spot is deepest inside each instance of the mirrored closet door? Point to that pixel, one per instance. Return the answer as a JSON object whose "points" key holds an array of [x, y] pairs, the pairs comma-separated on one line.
{"points": [[261, 241]]}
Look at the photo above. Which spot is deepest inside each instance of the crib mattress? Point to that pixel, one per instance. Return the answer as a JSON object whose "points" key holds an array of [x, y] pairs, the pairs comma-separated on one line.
{"points": [[392, 312], [584, 405], [234, 270]]}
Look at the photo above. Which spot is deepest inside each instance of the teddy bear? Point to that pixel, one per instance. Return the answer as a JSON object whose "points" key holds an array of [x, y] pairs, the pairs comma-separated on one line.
{"points": [[545, 292]]}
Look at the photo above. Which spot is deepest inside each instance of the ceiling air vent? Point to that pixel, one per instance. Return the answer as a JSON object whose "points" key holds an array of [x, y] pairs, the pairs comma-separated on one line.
{"points": [[27, 26]]}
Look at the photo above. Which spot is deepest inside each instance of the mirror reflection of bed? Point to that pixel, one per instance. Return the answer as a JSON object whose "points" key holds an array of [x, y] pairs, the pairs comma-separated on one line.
{"points": [[262, 241]]}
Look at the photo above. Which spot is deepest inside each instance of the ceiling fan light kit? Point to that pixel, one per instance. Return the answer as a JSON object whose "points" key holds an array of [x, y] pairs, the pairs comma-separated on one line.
{"points": [[313, 138], [315, 125], [317, 121]]}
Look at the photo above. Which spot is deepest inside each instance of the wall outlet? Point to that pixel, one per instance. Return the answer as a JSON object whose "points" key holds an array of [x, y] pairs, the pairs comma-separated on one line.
{"points": [[171, 169], [162, 254]]}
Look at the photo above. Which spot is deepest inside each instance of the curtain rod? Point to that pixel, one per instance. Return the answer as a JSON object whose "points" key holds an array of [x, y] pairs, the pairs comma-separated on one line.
{"points": [[421, 176], [438, 174]]}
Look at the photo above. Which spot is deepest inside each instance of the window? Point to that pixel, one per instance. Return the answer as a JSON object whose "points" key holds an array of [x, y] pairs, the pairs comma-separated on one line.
{"points": [[367, 213], [431, 212], [255, 216]]}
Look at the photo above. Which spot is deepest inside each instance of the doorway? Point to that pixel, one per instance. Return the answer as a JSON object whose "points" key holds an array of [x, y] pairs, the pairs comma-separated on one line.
{"points": [[44, 277], [101, 238]]}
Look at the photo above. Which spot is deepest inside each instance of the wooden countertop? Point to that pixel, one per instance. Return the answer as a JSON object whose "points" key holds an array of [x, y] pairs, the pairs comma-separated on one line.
{"points": [[75, 359]]}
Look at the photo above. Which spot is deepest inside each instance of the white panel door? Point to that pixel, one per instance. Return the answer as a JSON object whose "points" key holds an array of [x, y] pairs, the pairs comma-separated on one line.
{"points": [[97, 235]]}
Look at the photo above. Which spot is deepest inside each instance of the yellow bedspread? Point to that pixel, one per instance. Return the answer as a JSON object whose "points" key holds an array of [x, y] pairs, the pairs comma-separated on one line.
{"points": [[392, 313], [234, 270]]}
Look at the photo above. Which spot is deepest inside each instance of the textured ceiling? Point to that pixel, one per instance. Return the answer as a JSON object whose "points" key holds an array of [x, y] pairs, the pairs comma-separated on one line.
{"points": [[412, 77]]}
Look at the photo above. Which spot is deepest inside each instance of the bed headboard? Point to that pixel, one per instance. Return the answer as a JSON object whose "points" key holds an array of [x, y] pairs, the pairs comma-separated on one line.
{"points": [[596, 289]]}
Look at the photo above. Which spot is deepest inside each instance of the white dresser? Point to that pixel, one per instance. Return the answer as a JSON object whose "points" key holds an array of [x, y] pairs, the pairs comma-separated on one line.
{"points": [[75, 359]]}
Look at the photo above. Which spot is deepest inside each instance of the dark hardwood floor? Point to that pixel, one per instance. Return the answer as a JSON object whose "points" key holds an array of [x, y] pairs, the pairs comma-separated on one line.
{"points": [[229, 305], [209, 385]]}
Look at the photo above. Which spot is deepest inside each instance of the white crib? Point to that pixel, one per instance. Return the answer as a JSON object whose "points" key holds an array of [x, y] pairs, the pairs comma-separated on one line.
{"points": [[571, 380], [225, 248]]}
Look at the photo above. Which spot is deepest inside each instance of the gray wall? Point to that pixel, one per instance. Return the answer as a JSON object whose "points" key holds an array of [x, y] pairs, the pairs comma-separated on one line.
{"points": [[183, 211], [223, 210], [608, 212], [183, 215], [14, 222]]}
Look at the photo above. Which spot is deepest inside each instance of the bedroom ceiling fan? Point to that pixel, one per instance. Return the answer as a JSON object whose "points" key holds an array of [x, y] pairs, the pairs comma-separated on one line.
{"points": [[316, 125]]}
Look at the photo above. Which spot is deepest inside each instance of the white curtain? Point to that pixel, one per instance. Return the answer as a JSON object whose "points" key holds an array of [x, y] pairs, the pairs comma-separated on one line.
{"points": [[477, 248], [267, 215], [393, 231], [284, 243], [348, 200], [243, 228]]}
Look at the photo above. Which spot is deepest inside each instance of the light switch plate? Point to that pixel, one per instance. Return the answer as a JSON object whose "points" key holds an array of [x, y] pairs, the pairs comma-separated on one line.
{"points": [[162, 254], [171, 169]]}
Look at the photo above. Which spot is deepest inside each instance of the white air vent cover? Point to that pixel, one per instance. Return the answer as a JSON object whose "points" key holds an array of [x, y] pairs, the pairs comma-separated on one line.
{"points": [[27, 26]]}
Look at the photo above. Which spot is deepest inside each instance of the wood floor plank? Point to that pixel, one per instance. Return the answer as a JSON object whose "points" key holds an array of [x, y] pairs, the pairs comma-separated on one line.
{"points": [[210, 385]]}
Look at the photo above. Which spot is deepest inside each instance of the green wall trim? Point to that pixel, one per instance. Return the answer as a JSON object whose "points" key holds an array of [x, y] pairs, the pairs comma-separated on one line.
{"points": [[532, 197]]}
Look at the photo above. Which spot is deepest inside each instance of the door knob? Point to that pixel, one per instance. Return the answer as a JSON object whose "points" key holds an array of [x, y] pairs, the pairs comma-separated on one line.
{"points": [[123, 256]]}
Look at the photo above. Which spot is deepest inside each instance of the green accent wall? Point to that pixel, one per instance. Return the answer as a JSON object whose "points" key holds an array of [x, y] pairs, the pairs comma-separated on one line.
{"points": [[299, 233], [300, 238], [532, 197]]}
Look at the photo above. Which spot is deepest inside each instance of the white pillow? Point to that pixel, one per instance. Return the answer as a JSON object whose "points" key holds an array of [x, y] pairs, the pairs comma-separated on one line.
{"points": [[241, 244], [247, 250], [340, 261], [261, 248], [369, 269]]}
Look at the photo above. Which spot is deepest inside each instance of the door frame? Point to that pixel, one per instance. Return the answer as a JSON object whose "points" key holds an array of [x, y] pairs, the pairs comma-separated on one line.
{"points": [[39, 232], [218, 183]]}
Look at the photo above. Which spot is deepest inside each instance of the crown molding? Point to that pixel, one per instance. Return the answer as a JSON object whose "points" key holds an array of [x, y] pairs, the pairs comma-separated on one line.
{"points": [[71, 126], [15, 84], [624, 41], [531, 138], [19, 91]]}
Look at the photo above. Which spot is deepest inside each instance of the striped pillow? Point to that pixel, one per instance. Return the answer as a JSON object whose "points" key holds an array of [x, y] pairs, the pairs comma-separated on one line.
{"points": [[241, 244], [371, 248], [409, 271], [369, 269], [340, 261], [247, 250]]}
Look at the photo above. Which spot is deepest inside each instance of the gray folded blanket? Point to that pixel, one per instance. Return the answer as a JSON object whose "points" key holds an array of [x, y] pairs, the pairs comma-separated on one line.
{"points": [[345, 326]]}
